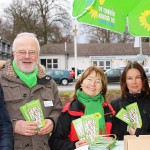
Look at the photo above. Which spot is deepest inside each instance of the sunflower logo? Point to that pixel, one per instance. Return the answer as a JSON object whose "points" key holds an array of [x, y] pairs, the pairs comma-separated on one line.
{"points": [[144, 19], [98, 116], [101, 2], [93, 12]]}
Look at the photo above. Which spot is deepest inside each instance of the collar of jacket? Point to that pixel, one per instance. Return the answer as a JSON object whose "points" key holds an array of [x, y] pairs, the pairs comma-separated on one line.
{"points": [[74, 108], [44, 79], [131, 98]]}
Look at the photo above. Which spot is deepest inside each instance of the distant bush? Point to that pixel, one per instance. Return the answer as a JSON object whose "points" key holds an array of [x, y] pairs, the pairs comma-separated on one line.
{"points": [[111, 94]]}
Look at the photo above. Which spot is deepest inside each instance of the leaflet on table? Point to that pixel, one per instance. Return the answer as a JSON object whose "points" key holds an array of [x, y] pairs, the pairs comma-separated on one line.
{"points": [[32, 111], [131, 115], [119, 145], [103, 142], [87, 127]]}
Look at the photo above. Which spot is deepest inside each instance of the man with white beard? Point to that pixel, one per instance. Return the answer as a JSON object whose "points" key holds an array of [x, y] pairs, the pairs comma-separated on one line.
{"points": [[24, 80]]}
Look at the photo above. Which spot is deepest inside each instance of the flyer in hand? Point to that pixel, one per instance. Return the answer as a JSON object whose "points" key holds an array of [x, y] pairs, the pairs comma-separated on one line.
{"points": [[134, 115], [123, 115], [79, 128], [32, 111], [131, 115], [87, 127]]}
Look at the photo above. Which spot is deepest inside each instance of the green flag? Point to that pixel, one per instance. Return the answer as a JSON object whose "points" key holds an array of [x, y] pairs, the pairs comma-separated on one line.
{"points": [[139, 19], [113, 14]]}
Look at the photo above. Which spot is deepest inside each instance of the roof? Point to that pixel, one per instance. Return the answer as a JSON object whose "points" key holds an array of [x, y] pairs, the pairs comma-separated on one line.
{"points": [[95, 49]]}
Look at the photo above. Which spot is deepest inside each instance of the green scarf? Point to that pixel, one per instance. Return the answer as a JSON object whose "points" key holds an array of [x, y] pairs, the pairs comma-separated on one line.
{"points": [[93, 105], [29, 79]]}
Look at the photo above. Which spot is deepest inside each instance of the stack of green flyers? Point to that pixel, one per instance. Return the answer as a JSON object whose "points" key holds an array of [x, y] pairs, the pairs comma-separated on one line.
{"points": [[131, 115], [103, 142], [87, 127], [32, 111]]}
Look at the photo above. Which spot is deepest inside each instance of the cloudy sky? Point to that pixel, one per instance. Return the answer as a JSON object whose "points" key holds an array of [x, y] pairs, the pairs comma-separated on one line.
{"points": [[3, 4]]}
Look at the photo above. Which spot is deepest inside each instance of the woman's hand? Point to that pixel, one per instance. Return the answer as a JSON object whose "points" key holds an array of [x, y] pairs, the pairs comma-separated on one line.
{"points": [[131, 130], [81, 142]]}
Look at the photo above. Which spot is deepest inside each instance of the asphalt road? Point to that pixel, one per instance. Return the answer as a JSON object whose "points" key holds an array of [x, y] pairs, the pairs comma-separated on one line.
{"points": [[71, 86]]}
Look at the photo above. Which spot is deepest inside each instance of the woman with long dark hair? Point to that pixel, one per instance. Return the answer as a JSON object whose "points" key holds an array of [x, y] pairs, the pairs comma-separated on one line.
{"points": [[134, 88]]}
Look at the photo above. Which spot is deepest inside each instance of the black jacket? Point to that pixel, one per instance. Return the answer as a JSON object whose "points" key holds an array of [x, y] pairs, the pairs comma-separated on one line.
{"points": [[119, 127], [6, 131], [60, 140]]}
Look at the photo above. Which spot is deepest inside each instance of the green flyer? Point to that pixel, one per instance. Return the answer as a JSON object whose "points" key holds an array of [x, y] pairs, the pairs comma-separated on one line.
{"points": [[32, 111]]}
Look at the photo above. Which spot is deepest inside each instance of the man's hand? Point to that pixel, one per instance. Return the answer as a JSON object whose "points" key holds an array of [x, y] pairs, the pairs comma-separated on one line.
{"points": [[47, 128], [27, 128]]}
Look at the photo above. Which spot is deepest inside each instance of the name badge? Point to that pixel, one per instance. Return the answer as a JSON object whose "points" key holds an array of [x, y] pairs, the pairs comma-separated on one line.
{"points": [[48, 103]]}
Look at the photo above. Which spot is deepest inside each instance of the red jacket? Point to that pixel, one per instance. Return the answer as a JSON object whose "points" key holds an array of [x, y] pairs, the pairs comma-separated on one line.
{"points": [[64, 136], [108, 111]]}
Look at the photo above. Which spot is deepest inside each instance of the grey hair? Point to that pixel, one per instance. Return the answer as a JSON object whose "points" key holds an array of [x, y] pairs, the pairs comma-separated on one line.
{"points": [[25, 34]]}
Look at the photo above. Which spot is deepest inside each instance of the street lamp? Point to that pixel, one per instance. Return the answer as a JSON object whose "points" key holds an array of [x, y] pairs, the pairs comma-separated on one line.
{"points": [[138, 43], [75, 30]]}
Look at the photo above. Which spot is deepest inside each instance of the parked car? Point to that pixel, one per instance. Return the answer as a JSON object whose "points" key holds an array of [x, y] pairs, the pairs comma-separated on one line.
{"points": [[79, 72], [60, 76], [113, 75], [147, 71]]}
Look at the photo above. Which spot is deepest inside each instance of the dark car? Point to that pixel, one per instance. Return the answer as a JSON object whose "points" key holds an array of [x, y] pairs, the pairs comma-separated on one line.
{"points": [[147, 71], [113, 75], [60, 76]]}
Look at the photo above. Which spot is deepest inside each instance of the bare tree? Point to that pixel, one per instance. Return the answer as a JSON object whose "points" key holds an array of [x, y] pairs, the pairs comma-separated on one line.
{"points": [[99, 35], [41, 17]]}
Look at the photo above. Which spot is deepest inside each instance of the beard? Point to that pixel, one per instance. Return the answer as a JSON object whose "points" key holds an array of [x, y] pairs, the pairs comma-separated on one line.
{"points": [[26, 66]]}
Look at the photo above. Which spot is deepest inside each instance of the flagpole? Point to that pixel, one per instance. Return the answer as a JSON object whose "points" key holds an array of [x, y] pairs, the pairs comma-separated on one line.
{"points": [[75, 48], [140, 46], [141, 53], [138, 43]]}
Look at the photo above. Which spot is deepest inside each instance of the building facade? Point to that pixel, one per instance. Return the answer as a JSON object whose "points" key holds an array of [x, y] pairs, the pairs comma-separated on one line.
{"points": [[5, 49], [104, 55]]}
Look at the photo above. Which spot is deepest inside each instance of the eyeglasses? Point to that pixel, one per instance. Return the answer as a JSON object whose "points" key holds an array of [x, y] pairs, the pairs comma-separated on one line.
{"points": [[23, 52]]}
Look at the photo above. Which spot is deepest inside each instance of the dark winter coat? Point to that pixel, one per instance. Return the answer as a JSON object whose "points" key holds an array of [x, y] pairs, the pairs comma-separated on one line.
{"points": [[119, 127], [64, 137], [6, 131]]}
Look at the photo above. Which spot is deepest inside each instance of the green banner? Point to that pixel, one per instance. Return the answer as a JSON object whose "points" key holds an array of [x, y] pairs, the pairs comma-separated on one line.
{"points": [[139, 19], [113, 14]]}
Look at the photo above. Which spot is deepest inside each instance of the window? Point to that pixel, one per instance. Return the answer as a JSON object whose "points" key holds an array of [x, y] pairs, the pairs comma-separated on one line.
{"points": [[94, 63], [101, 64], [55, 63], [43, 62], [104, 64], [107, 66], [50, 63]]}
